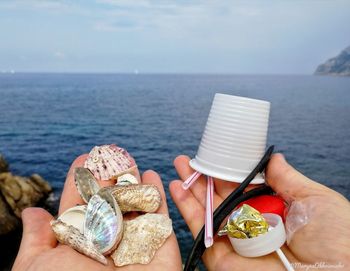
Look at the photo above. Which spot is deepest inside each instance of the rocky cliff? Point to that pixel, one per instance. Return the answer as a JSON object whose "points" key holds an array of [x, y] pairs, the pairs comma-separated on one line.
{"points": [[16, 193], [339, 65]]}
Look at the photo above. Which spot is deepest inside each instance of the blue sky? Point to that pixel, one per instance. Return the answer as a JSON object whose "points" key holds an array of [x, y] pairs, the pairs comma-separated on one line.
{"points": [[198, 36]]}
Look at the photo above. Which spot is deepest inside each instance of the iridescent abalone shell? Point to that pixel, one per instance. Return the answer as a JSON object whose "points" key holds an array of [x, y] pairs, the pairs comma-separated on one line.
{"points": [[102, 226]]}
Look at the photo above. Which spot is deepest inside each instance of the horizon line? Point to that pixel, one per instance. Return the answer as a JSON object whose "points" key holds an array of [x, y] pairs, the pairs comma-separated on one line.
{"points": [[13, 72]]}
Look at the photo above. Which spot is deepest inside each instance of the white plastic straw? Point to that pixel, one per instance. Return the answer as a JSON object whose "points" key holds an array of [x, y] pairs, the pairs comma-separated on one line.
{"points": [[208, 240], [284, 260], [190, 180]]}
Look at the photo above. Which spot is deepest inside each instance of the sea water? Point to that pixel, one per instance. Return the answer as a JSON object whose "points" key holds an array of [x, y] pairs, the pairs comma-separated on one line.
{"points": [[47, 120]]}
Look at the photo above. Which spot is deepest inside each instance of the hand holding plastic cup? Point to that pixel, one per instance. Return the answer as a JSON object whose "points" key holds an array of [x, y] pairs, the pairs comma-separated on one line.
{"points": [[233, 142], [234, 138]]}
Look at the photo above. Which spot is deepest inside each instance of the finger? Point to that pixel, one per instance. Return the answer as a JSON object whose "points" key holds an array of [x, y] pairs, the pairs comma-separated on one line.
{"points": [[152, 177], [199, 187], [224, 188], [190, 208], [70, 196], [136, 171], [288, 182], [37, 235]]}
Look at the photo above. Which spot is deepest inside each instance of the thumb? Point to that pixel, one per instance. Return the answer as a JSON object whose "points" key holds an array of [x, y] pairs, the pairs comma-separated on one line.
{"points": [[37, 236], [289, 183]]}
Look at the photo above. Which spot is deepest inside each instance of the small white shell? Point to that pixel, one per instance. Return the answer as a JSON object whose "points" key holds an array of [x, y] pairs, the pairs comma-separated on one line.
{"points": [[127, 179], [75, 217], [107, 162], [103, 224], [72, 237]]}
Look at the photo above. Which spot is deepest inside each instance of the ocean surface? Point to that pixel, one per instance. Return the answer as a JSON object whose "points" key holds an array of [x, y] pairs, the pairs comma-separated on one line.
{"points": [[47, 120]]}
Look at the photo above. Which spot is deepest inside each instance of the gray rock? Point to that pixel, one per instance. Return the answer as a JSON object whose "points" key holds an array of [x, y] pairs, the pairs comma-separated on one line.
{"points": [[339, 65]]}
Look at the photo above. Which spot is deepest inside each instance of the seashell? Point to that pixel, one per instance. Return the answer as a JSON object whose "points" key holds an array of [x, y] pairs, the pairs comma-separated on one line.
{"points": [[75, 217], [107, 162], [127, 179], [142, 237], [136, 197], [103, 223], [69, 235], [86, 183]]}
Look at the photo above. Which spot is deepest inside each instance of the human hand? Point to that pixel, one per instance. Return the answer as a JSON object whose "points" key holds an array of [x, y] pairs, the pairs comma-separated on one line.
{"points": [[325, 240], [39, 249]]}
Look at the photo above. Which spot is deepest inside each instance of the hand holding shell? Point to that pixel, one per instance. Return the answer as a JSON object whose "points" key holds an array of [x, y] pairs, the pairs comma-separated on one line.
{"points": [[103, 222]]}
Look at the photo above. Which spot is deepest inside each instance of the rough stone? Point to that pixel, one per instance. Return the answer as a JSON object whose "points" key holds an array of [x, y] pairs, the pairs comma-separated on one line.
{"points": [[8, 221], [4, 166], [16, 194]]}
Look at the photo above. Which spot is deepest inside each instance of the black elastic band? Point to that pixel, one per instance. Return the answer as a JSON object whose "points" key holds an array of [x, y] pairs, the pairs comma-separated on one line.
{"points": [[226, 207]]}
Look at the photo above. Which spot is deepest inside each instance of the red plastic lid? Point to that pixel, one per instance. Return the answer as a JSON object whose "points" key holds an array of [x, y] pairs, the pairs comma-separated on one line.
{"points": [[267, 204]]}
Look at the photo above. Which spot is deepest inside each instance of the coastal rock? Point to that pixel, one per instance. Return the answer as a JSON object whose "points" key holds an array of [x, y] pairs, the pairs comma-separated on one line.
{"points": [[8, 221], [16, 194], [339, 65], [20, 192], [4, 166]]}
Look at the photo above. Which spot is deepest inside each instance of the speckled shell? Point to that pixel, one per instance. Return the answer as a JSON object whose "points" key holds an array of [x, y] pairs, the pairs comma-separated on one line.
{"points": [[143, 236], [103, 223], [136, 197], [86, 183], [72, 237], [107, 162]]}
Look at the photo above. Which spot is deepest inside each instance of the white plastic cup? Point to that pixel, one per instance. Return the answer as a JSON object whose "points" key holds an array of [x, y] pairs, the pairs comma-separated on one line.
{"points": [[265, 243], [234, 138]]}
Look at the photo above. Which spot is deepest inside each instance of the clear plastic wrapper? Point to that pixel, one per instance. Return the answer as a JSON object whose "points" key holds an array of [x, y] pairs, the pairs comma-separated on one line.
{"points": [[299, 214]]}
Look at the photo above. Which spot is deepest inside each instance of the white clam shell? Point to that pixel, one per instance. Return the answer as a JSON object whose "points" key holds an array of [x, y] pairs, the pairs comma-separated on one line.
{"points": [[94, 229], [75, 217]]}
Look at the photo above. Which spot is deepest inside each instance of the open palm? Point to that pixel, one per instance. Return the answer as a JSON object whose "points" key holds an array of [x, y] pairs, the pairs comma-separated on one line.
{"points": [[40, 251], [314, 243]]}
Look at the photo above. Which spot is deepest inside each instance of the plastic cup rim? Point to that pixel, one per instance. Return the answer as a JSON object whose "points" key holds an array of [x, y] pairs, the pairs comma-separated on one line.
{"points": [[225, 177]]}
